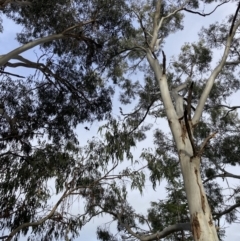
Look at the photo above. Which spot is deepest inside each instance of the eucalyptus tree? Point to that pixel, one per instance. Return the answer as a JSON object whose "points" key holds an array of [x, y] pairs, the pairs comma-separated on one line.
{"points": [[192, 95]]}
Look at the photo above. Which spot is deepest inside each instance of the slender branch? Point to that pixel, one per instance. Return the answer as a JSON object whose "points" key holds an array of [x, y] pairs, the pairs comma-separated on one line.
{"points": [[236, 62], [213, 76], [4, 72], [205, 14], [234, 19], [155, 25], [140, 122], [226, 211], [46, 71], [226, 106], [78, 25], [51, 213], [158, 21], [222, 175], [143, 28]]}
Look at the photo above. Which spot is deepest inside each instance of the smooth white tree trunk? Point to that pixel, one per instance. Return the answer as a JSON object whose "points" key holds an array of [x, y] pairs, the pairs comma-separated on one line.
{"points": [[202, 224], [203, 227]]}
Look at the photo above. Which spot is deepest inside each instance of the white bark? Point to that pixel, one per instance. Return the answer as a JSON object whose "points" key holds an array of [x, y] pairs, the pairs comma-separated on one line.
{"points": [[203, 227], [202, 224], [6, 57]]}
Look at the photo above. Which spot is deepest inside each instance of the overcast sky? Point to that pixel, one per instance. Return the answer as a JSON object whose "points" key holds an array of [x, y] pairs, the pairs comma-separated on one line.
{"points": [[192, 26]]}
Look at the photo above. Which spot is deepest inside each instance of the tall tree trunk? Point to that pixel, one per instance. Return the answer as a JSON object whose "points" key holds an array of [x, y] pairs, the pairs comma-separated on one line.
{"points": [[202, 224], [203, 227]]}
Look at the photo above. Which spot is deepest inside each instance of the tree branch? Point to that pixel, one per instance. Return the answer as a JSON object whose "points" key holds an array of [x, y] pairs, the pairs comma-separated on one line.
{"points": [[223, 175], [167, 231], [6, 57], [226, 211], [24, 225], [213, 76], [234, 19], [205, 14], [236, 62], [16, 75], [158, 235]]}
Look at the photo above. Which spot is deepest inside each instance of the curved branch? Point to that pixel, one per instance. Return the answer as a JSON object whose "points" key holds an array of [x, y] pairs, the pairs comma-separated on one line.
{"points": [[205, 14], [6, 57], [226, 211], [167, 231], [162, 234], [144, 117], [24, 225], [223, 175]]}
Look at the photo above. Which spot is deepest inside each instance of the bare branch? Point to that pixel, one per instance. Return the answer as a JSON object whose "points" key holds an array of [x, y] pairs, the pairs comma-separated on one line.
{"points": [[234, 19], [78, 25], [205, 14], [236, 62], [158, 21], [226, 211], [144, 117], [222, 175], [162, 234], [143, 28], [167, 231], [16, 75]]}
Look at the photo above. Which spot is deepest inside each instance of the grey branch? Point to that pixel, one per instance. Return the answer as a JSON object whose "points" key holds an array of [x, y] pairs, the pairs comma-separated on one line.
{"points": [[222, 175], [226, 211], [167, 231]]}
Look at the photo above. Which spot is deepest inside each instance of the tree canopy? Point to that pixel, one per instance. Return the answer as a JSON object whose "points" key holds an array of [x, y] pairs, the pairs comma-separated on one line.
{"points": [[88, 53]]}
